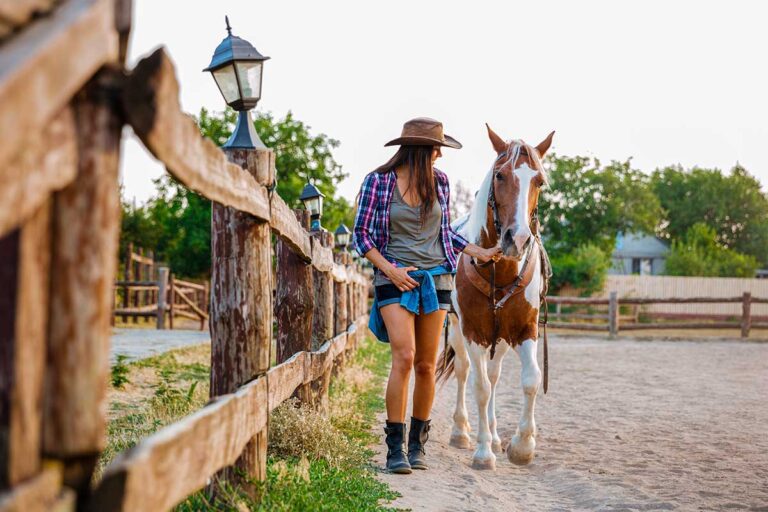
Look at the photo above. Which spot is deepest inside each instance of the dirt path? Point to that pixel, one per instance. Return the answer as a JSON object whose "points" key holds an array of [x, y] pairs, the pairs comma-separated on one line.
{"points": [[141, 343], [626, 425]]}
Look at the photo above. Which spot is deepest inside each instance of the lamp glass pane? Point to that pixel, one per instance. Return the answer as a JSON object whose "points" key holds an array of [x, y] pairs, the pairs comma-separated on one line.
{"points": [[313, 205], [225, 79], [342, 239], [250, 79]]}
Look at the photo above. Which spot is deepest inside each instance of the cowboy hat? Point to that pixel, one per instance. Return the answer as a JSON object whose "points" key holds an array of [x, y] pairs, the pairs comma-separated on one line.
{"points": [[423, 131]]}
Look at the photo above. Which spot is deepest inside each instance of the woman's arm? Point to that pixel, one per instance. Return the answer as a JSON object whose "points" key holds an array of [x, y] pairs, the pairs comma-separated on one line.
{"points": [[483, 254], [398, 275]]}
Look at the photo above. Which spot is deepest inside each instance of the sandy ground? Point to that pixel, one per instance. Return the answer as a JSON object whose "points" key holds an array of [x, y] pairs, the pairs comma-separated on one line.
{"points": [[626, 425]]}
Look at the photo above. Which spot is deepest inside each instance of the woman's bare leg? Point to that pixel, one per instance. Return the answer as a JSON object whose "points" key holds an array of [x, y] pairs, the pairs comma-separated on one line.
{"points": [[428, 330], [402, 340]]}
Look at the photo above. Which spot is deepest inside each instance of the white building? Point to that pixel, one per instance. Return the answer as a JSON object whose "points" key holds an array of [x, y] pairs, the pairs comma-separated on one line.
{"points": [[637, 253]]}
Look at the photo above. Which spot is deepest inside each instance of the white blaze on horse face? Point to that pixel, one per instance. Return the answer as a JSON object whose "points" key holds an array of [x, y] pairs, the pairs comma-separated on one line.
{"points": [[525, 176]]}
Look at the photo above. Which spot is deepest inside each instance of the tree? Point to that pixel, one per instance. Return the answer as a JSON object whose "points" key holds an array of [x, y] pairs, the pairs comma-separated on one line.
{"points": [[699, 253], [586, 203], [176, 222], [732, 205], [299, 156], [462, 201]]}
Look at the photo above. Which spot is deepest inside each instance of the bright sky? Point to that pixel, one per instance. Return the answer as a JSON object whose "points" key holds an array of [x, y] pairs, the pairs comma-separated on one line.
{"points": [[663, 82]]}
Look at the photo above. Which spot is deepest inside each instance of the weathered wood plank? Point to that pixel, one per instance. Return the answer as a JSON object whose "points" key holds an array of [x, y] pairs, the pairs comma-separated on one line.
{"points": [[47, 63], [322, 254], [45, 165], [19, 12], [41, 492], [285, 378], [24, 283], [339, 273], [151, 104], [294, 298], [341, 316], [178, 460], [290, 230], [84, 256]]}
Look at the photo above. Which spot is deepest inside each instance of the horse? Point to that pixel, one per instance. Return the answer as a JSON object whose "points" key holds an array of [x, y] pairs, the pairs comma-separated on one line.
{"points": [[497, 306]]}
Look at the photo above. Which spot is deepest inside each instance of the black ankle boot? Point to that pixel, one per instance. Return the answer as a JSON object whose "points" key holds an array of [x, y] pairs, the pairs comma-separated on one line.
{"points": [[417, 436], [396, 459]]}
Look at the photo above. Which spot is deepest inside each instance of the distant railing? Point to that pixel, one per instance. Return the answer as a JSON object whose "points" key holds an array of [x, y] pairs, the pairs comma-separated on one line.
{"points": [[614, 322]]}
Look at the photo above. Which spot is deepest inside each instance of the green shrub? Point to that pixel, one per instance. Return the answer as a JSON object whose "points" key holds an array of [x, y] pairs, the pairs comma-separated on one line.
{"points": [[700, 254], [584, 269]]}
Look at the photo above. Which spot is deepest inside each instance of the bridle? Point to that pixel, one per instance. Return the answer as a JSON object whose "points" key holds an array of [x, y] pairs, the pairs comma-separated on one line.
{"points": [[517, 285]]}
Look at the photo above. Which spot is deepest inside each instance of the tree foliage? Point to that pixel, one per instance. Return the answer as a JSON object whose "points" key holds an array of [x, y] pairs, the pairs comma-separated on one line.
{"points": [[699, 253], [176, 222], [587, 203], [732, 205]]}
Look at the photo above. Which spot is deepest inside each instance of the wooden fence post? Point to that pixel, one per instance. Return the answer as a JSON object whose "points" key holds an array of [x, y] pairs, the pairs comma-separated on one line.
{"points": [[613, 315], [83, 259], [128, 276], [171, 299], [24, 273], [746, 314], [295, 299], [322, 316], [341, 320], [241, 306], [162, 292]]}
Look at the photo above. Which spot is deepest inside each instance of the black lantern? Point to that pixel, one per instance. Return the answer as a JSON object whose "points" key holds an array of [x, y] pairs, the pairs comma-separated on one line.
{"points": [[313, 202], [342, 235], [236, 67]]}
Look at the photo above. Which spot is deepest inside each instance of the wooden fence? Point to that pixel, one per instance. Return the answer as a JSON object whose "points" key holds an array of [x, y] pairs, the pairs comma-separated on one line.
{"points": [[64, 98], [613, 321], [151, 291], [665, 287]]}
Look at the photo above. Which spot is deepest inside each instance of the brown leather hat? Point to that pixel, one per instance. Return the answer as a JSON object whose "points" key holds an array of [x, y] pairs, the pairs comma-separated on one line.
{"points": [[424, 131]]}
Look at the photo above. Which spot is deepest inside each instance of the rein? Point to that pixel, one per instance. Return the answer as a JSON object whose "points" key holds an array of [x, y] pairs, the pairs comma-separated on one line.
{"points": [[516, 286]]}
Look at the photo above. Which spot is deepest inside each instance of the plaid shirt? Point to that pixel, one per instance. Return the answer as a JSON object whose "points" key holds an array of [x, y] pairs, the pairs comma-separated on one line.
{"points": [[372, 219]]}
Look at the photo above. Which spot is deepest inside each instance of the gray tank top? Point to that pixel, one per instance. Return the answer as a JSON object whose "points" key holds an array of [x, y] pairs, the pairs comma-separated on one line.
{"points": [[412, 243]]}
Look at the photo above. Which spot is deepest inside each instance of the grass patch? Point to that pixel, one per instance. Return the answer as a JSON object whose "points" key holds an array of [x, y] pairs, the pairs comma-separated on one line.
{"points": [[316, 462]]}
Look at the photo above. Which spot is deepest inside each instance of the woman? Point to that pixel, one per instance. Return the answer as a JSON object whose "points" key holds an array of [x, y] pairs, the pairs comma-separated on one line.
{"points": [[403, 228]]}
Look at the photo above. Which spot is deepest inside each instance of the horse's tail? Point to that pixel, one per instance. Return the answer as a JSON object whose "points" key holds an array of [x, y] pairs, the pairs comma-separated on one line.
{"points": [[444, 365], [446, 358]]}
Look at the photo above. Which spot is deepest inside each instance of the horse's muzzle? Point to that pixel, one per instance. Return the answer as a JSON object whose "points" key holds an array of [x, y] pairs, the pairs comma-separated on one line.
{"points": [[515, 245]]}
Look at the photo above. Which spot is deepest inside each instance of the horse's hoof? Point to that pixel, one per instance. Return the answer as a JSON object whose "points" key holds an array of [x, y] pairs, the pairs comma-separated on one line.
{"points": [[484, 463], [460, 441], [496, 446], [521, 451]]}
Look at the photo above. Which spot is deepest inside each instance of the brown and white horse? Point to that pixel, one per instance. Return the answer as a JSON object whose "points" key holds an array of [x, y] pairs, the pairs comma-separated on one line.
{"points": [[504, 214]]}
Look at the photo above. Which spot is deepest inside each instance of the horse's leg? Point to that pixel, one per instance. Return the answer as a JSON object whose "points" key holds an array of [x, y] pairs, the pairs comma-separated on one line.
{"points": [[483, 458], [494, 370], [523, 444], [461, 428]]}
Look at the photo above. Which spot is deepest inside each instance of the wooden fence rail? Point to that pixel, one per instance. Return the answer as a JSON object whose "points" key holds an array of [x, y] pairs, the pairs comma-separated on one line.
{"points": [[614, 322], [59, 222]]}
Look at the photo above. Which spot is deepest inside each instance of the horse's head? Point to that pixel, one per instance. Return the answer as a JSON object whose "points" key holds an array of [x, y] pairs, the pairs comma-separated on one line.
{"points": [[517, 177]]}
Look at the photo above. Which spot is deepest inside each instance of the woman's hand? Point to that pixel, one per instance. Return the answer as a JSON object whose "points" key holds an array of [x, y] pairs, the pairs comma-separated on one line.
{"points": [[482, 254], [400, 278]]}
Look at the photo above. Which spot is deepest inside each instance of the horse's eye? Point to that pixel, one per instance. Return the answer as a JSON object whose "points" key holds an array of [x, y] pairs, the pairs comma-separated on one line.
{"points": [[499, 176]]}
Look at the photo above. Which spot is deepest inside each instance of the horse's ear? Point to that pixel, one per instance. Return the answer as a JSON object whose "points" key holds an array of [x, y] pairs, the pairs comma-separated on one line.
{"points": [[498, 143], [543, 146]]}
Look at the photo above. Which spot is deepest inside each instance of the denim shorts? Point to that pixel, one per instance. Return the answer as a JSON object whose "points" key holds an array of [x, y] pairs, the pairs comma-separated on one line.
{"points": [[389, 294]]}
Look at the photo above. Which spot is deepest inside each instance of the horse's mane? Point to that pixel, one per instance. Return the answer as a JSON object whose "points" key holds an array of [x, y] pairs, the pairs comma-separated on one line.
{"points": [[478, 215]]}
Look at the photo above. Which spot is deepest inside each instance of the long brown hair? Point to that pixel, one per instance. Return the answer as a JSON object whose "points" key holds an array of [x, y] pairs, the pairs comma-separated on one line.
{"points": [[418, 161]]}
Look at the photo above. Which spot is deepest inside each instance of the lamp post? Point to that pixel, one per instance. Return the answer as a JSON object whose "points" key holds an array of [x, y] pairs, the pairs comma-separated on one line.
{"points": [[342, 235], [313, 202], [236, 67]]}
